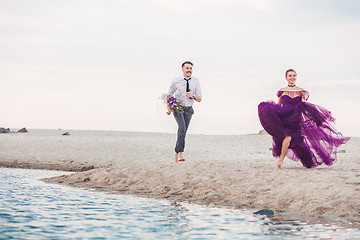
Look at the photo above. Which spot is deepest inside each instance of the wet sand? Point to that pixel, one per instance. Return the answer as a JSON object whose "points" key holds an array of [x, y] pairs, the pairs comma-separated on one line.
{"points": [[226, 170]]}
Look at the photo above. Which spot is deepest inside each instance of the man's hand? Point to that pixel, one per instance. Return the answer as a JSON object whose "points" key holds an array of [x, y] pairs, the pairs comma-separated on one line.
{"points": [[190, 95]]}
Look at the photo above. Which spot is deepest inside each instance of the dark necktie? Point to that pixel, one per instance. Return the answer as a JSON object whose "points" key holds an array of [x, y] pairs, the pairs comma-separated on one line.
{"points": [[187, 86]]}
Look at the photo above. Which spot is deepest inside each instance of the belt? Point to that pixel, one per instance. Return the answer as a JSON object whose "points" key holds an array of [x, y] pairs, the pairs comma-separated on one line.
{"points": [[186, 108]]}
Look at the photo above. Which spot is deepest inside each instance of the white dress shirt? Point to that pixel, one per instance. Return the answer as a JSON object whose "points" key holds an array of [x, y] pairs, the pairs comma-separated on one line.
{"points": [[178, 90]]}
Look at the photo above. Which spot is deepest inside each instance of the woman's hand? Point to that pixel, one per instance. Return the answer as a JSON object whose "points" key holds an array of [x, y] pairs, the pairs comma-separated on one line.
{"points": [[168, 111]]}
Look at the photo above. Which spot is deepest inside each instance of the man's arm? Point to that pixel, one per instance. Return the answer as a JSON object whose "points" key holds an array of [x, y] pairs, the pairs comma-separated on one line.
{"points": [[172, 88], [197, 98], [170, 92], [197, 93]]}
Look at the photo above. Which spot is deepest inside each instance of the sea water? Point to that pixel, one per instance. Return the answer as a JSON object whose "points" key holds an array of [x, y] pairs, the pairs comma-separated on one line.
{"points": [[32, 209]]}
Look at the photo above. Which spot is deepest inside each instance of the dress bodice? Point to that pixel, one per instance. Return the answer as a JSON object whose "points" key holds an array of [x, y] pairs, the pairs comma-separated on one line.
{"points": [[292, 97], [289, 101]]}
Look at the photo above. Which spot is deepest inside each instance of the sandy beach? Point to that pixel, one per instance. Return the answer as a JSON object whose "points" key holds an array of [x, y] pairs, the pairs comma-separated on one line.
{"points": [[226, 170]]}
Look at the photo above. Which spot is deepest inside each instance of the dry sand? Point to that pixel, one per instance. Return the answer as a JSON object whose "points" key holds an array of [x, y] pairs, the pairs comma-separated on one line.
{"points": [[226, 170]]}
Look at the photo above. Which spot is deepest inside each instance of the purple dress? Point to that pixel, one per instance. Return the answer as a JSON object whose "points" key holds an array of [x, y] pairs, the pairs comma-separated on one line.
{"points": [[314, 140]]}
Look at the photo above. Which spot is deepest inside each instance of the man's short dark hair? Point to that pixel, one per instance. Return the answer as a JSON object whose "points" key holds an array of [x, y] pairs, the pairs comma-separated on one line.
{"points": [[187, 62]]}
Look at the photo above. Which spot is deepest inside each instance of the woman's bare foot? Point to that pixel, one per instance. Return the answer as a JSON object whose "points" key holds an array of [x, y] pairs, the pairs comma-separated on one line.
{"points": [[176, 157], [284, 150]]}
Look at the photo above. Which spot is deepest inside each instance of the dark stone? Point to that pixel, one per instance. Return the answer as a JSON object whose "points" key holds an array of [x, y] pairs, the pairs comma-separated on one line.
{"points": [[66, 134], [166, 189], [4, 130], [265, 211], [23, 130], [87, 168], [175, 204]]}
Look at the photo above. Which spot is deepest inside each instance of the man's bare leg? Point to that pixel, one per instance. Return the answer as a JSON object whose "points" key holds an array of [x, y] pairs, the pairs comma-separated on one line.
{"points": [[181, 157], [176, 157]]}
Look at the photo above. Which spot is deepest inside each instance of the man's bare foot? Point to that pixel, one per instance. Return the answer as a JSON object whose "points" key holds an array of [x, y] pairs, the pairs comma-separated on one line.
{"points": [[178, 157], [181, 157]]}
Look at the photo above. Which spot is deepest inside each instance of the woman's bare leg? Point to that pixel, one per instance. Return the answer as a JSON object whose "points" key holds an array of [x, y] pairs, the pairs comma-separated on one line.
{"points": [[284, 150]]}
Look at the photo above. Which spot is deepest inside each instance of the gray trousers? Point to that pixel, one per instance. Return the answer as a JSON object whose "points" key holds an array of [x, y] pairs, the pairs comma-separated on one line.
{"points": [[183, 121]]}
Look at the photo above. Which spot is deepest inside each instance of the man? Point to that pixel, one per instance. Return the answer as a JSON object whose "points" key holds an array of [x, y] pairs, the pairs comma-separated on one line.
{"points": [[187, 90]]}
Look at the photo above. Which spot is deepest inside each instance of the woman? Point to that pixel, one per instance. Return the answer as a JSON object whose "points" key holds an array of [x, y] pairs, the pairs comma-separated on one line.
{"points": [[304, 128]]}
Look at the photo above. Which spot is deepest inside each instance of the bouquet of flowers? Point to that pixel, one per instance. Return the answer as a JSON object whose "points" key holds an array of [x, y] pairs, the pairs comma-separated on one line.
{"points": [[172, 103]]}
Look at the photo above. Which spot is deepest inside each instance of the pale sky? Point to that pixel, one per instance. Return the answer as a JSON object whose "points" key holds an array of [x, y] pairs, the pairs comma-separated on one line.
{"points": [[102, 65]]}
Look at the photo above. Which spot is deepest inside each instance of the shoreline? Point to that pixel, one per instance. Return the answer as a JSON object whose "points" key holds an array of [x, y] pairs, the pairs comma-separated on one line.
{"points": [[229, 170]]}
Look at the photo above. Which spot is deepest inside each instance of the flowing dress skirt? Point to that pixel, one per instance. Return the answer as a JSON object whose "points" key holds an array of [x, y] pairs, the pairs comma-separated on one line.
{"points": [[314, 140]]}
